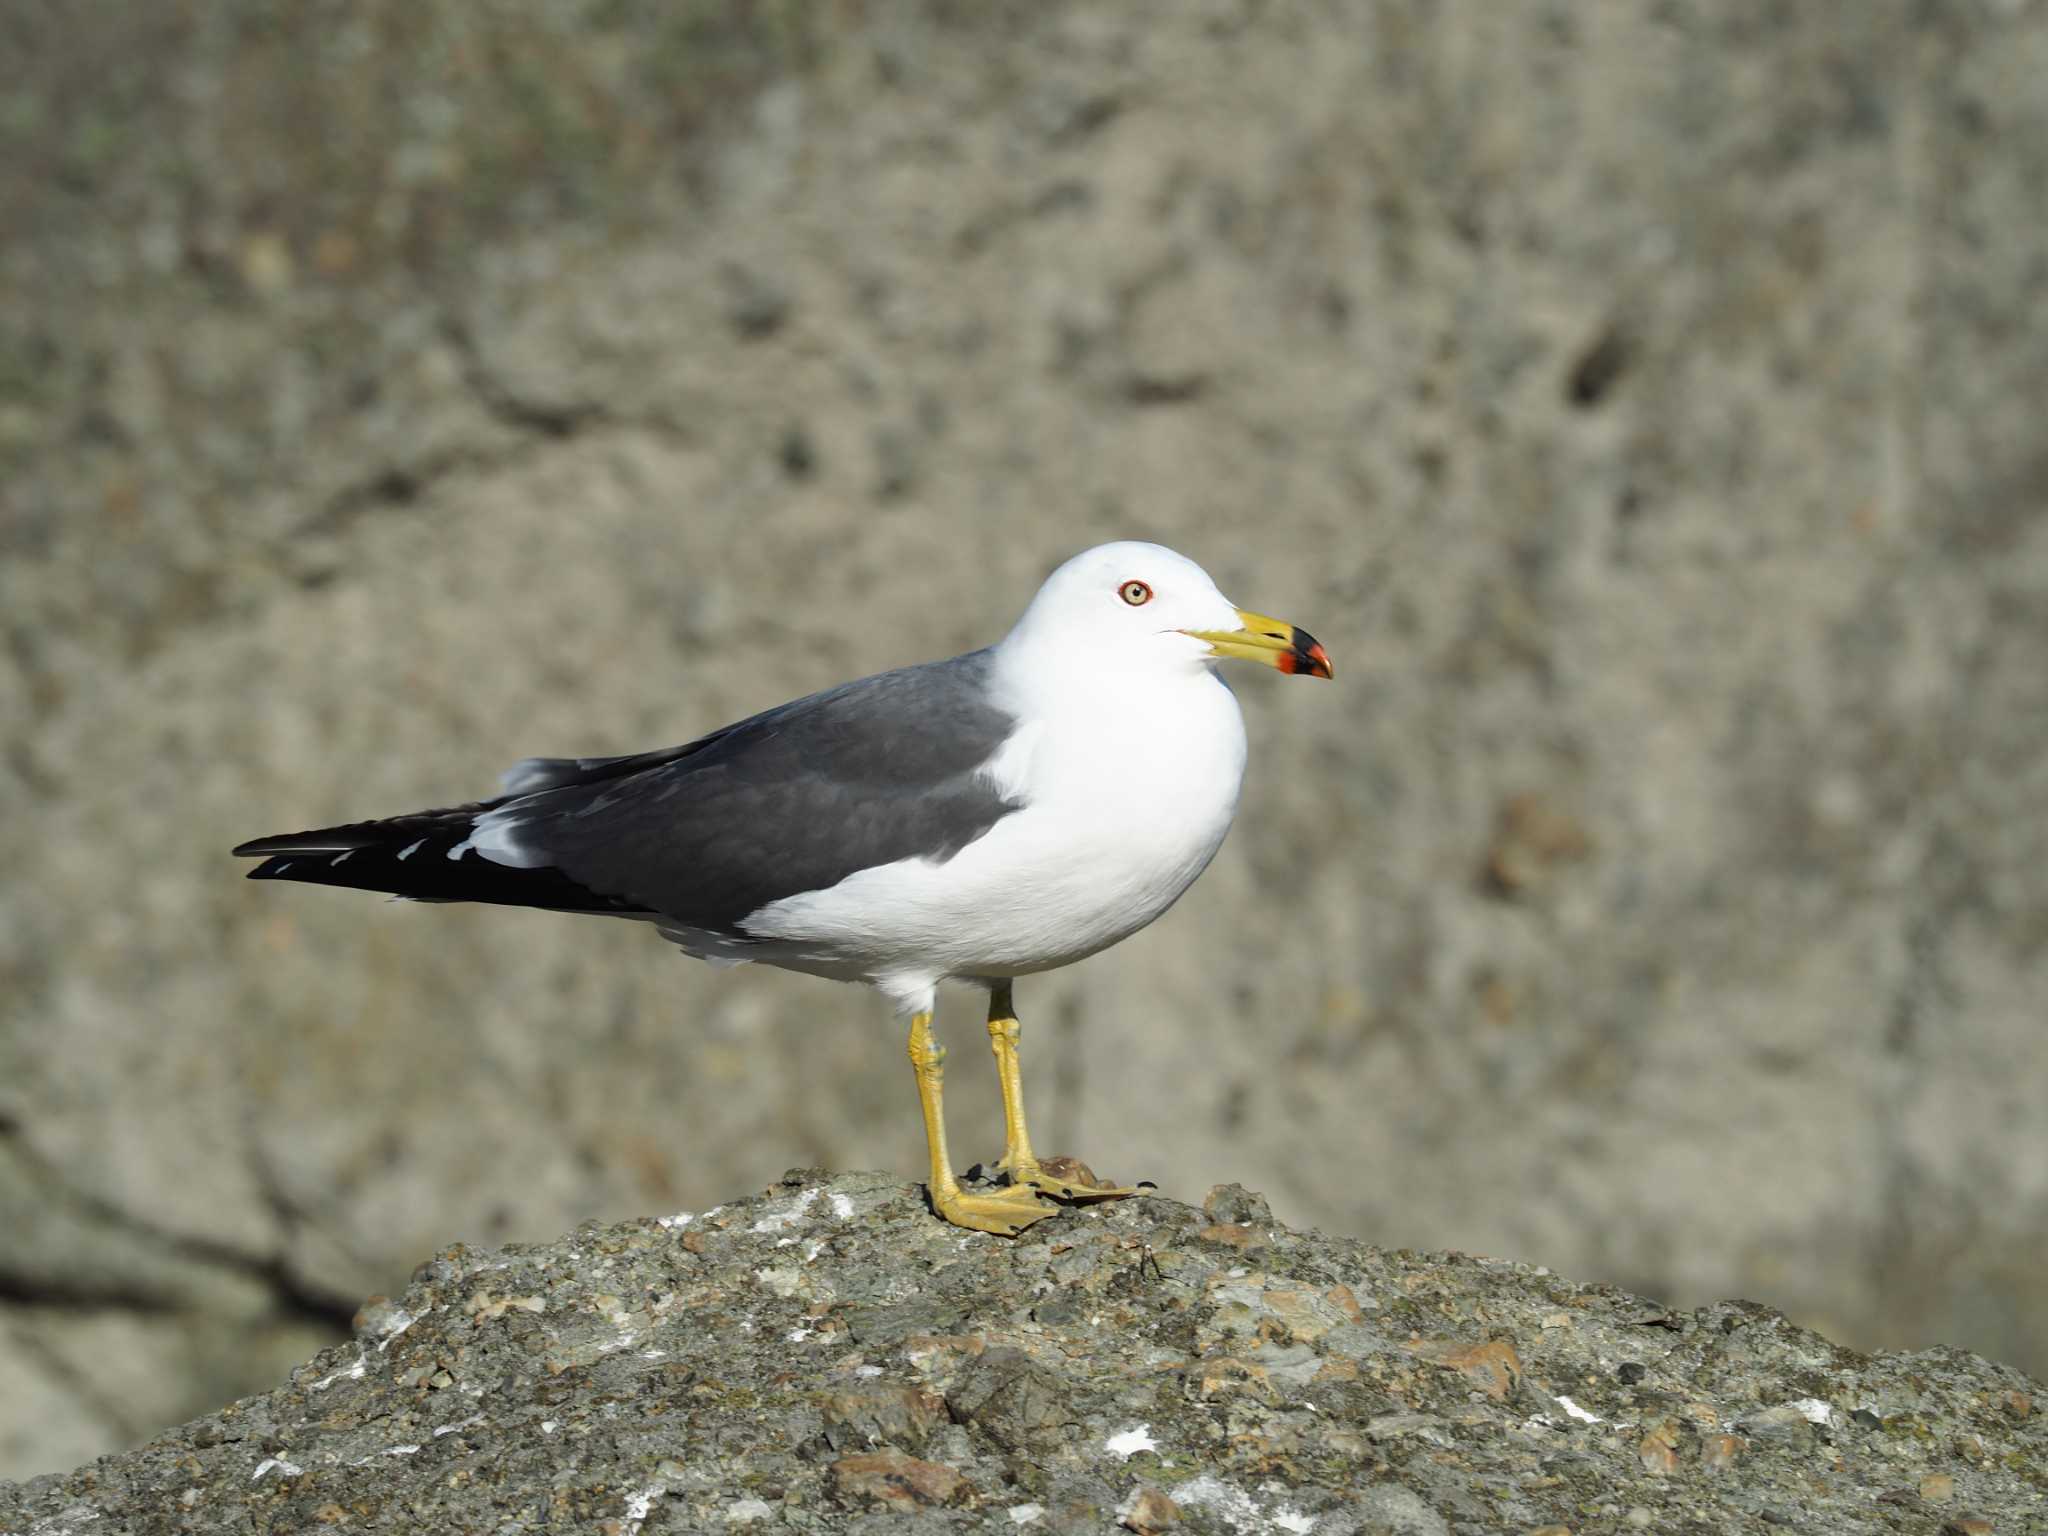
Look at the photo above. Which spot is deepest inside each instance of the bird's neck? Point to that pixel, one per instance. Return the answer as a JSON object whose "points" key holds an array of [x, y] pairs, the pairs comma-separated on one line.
{"points": [[1122, 740], [1091, 685]]}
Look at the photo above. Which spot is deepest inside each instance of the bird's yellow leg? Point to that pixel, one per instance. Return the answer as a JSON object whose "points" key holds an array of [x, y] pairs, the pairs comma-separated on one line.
{"points": [[1064, 1178], [1005, 1213]]}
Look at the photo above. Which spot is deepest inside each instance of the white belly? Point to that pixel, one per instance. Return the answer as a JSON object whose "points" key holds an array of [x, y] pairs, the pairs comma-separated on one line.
{"points": [[1125, 806]]}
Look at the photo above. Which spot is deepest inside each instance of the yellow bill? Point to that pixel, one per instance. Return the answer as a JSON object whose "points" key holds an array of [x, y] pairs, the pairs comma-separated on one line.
{"points": [[1274, 642]]}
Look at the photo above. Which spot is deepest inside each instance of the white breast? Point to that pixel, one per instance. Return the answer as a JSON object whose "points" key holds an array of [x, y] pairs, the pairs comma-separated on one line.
{"points": [[1128, 793]]}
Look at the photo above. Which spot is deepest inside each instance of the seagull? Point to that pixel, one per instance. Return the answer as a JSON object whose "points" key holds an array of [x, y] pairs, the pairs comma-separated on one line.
{"points": [[1002, 813]]}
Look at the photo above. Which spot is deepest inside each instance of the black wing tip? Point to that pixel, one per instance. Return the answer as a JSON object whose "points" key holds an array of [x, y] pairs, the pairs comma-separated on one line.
{"points": [[309, 844], [284, 866], [350, 838], [434, 877]]}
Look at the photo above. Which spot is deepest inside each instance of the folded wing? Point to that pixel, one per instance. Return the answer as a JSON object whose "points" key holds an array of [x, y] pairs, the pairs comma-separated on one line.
{"points": [[791, 800]]}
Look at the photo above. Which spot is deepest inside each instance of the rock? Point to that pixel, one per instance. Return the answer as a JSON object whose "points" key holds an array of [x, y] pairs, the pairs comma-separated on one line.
{"points": [[1493, 1364], [1147, 1511], [1234, 1205], [1781, 1422], [377, 1319], [1658, 1450], [1719, 1451], [1230, 1234], [1397, 1511], [1013, 1399], [897, 1481], [910, 1373], [906, 1417]]}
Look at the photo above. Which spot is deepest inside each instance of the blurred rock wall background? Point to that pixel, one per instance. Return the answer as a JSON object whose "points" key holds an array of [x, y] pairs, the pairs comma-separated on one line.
{"points": [[1641, 399]]}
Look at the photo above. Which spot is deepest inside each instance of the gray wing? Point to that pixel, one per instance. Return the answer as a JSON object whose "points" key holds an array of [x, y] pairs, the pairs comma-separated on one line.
{"points": [[792, 800]]}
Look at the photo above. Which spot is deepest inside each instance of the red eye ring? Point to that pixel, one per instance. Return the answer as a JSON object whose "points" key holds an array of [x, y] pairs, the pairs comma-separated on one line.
{"points": [[1136, 593]]}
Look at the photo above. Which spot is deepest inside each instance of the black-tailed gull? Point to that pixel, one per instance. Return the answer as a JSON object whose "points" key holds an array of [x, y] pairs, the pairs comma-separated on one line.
{"points": [[983, 818]]}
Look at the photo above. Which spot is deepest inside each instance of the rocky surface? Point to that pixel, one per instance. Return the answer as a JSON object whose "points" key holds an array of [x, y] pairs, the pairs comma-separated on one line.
{"points": [[827, 1357], [1641, 399]]}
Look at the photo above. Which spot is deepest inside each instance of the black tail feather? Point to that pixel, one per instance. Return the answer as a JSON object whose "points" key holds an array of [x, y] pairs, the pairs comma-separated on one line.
{"points": [[422, 857]]}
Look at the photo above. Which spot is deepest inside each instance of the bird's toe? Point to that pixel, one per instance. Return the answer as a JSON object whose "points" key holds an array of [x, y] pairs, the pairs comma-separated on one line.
{"points": [[1070, 1179], [1003, 1212]]}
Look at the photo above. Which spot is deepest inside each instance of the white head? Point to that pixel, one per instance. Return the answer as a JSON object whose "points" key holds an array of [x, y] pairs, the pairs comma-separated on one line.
{"points": [[1141, 607]]}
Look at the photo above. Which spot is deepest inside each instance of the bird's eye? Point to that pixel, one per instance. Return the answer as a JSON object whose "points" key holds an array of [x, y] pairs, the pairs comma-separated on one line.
{"points": [[1136, 593]]}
